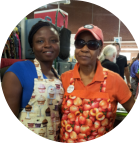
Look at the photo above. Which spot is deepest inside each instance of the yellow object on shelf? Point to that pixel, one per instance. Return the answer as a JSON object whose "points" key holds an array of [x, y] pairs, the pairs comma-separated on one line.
{"points": [[70, 60]]}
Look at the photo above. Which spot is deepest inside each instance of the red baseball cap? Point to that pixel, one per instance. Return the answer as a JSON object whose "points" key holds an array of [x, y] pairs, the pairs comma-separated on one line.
{"points": [[95, 31]]}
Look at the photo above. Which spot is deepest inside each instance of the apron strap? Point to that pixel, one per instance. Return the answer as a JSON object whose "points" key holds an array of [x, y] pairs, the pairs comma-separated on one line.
{"points": [[39, 71], [55, 73]]}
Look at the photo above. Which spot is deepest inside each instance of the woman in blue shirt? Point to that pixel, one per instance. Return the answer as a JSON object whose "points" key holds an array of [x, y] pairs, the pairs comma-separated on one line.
{"points": [[134, 74], [33, 89]]}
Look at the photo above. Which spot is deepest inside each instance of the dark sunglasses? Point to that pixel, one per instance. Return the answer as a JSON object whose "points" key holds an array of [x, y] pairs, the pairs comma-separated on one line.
{"points": [[92, 44]]}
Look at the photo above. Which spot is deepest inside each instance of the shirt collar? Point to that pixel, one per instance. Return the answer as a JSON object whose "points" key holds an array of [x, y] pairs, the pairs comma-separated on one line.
{"points": [[98, 75]]}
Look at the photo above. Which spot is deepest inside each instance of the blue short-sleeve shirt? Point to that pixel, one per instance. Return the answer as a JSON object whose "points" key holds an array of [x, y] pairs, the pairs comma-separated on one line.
{"points": [[134, 68], [26, 72]]}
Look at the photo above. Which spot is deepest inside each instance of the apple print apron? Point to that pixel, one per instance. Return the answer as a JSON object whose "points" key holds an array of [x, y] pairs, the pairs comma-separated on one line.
{"points": [[41, 115], [85, 115]]}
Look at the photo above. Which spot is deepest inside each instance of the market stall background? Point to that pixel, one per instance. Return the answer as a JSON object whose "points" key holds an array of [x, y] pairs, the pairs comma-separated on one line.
{"points": [[82, 12]]}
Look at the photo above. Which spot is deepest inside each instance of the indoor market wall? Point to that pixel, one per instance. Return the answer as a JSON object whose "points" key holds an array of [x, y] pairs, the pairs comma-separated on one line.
{"points": [[81, 13]]}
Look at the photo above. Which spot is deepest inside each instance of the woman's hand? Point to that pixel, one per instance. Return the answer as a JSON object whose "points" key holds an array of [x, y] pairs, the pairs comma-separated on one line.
{"points": [[12, 90], [129, 85], [129, 104], [137, 75]]}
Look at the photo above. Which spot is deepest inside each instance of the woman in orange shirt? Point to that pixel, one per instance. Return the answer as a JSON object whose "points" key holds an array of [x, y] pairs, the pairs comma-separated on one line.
{"points": [[91, 91]]}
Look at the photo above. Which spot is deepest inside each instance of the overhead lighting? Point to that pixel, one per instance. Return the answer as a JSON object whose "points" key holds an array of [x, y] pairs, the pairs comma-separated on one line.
{"points": [[121, 41], [129, 49]]}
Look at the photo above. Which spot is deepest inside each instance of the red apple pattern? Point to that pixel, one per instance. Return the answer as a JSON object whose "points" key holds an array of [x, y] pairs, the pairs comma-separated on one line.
{"points": [[85, 119]]}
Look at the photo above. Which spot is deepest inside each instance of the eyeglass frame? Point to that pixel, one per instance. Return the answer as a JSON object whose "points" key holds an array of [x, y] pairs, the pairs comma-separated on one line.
{"points": [[85, 43]]}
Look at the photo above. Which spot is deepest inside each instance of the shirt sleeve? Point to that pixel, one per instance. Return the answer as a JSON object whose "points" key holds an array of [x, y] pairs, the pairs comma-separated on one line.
{"points": [[18, 70], [122, 92]]}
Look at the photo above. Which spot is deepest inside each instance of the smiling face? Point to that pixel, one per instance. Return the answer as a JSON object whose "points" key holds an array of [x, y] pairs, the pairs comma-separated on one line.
{"points": [[84, 55], [46, 44]]}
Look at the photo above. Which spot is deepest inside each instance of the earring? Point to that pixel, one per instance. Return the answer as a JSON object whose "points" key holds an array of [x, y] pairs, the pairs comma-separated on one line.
{"points": [[98, 55]]}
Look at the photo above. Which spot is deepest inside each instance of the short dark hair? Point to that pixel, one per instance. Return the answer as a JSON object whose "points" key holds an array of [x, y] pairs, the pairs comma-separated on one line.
{"points": [[116, 44], [36, 27], [49, 24]]}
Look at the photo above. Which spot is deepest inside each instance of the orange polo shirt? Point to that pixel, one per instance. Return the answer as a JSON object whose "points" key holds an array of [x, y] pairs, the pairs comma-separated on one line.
{"points": [[116, 87]]}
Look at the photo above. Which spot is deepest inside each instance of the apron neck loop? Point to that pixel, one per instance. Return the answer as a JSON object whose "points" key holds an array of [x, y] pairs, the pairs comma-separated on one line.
{"points": [[55, 73], [39, 71]]}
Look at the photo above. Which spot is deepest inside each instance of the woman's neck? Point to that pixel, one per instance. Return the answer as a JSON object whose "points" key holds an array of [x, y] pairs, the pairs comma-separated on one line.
{"points": [[46, 67], [87, 70]]}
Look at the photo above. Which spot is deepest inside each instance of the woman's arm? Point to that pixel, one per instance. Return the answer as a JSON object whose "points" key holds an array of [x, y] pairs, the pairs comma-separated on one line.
{"points": [[129, 104], [12, 90], [137, 74], [123, 94]]}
